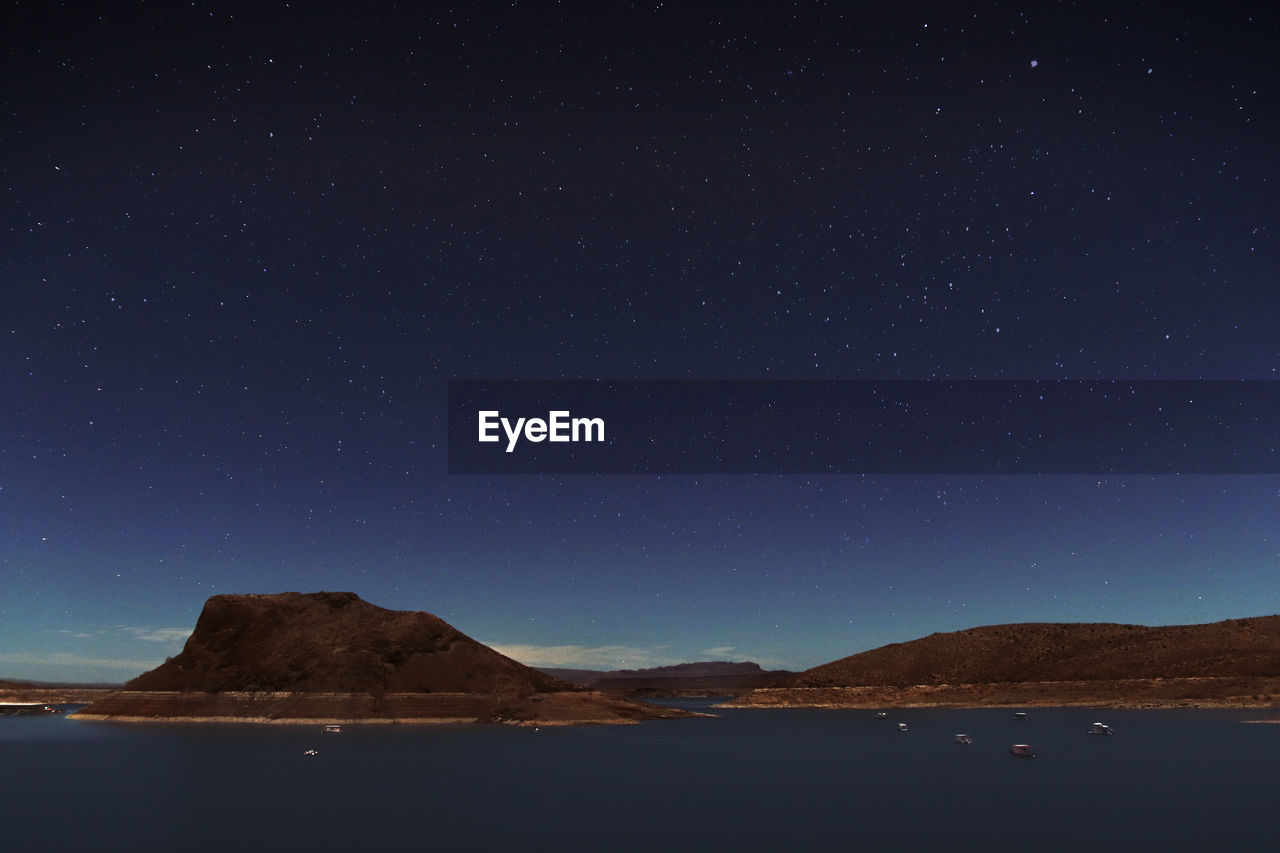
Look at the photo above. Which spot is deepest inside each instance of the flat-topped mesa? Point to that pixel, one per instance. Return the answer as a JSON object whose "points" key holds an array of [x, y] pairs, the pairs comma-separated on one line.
{"points": [[332, 656], [334, 642]]}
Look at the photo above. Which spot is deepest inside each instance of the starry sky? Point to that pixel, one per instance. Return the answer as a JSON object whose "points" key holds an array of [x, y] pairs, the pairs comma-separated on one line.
{"points": [[246, 248]]}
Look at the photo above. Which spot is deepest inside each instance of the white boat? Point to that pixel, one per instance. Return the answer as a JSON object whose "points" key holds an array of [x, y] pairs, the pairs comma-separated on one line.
{"points": [[881, 715], [1025, 750], [1019, 715], [17, 708], [332, 730], [964, 738], [902, 727], [310, 752], [1100, 729]]}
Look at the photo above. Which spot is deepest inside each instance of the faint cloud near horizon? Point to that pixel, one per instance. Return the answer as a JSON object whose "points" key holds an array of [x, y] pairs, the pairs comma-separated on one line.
{"points": [[587, 657], [156, 635], [72, 659], [620, 657], [147, 634]]}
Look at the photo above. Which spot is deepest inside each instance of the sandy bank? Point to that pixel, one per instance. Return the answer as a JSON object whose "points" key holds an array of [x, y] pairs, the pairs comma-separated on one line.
{"points": [[540, 709], [1233, 692]]}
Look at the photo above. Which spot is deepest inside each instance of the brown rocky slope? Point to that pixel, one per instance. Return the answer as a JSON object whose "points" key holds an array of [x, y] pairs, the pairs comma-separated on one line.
{"points": [[333, 656], [1230, 663], [1063, 652]]}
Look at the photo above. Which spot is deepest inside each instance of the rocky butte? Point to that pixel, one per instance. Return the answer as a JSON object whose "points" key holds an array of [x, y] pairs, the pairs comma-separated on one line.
{"points": [[330, 657]]}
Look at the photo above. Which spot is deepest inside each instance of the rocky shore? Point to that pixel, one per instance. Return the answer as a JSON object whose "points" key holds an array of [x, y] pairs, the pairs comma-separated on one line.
{"points": [[543, 709], [1226, 692]]}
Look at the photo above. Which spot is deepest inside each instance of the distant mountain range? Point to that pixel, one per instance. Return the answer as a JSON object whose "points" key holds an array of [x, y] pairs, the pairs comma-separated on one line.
{"points": [[698, 677], [25, 684], [51, 693]]}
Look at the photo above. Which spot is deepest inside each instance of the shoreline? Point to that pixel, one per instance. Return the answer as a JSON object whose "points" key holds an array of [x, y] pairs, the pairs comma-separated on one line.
{"points": [[274, 707], [1132, 693], [344, 721]]}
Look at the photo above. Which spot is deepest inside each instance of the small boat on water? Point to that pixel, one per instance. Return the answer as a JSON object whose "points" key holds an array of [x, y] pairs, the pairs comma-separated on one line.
{"points": [[902, 727], [881, 715], [1024, 750], [22, 708], [310, 752], [1100, 729], [1019, 715], [332, 730], [964, 738]]}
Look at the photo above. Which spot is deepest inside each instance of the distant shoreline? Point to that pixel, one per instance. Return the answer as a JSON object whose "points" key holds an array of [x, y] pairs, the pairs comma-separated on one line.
{"points": [[1137, 693], [55, 694]]}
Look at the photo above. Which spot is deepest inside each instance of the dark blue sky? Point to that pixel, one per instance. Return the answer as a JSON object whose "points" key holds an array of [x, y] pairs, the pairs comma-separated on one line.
{"points": [[245, 250]]}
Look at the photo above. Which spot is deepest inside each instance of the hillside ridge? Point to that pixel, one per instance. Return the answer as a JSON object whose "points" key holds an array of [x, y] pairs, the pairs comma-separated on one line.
{"points": [[1063, 651]]}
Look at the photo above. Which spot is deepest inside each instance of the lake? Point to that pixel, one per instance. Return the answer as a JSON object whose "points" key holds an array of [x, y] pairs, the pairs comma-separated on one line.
{"points": [[746, 780]]}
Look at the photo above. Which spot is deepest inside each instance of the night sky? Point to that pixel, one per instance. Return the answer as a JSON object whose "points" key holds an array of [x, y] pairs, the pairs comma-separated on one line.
{"points": [[245, 249]]}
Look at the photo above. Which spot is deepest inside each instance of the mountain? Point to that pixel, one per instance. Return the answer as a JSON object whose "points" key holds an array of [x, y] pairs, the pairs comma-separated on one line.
{"points": [[1235, 663], [27, 684], [697, 677], [51, 692], [333, 641], [1063, 652], [331, 655]]}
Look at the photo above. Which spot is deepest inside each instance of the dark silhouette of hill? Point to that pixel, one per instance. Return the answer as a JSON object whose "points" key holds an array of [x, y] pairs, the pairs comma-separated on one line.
{"points": [[699, 676], [52, 692], [26, 684], [332, 656], [333, 642], [1063, 652]]}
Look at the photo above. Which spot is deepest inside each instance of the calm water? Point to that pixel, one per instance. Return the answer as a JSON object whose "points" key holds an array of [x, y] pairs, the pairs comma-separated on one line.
{"points": [[748, 780]]}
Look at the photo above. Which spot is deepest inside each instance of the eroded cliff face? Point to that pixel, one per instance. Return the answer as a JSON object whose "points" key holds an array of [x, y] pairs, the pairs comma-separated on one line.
{"points": [[333, 642], [331, 657]]}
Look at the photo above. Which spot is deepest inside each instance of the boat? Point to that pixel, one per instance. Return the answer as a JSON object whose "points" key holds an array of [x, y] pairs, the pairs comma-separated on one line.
{"points": [[1025, 750], [332, 730], [1019, 715], [902, 727], [1100, 729], [23, 708], [881, 715], [310, 752], [964, 738]]}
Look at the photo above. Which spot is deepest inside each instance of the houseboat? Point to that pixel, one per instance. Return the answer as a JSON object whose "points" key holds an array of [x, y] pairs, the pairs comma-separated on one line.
{"points": [[1099, 729], [1019, 715], [332, 730], [902, 727], [1025, 750], [964, 739]]}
